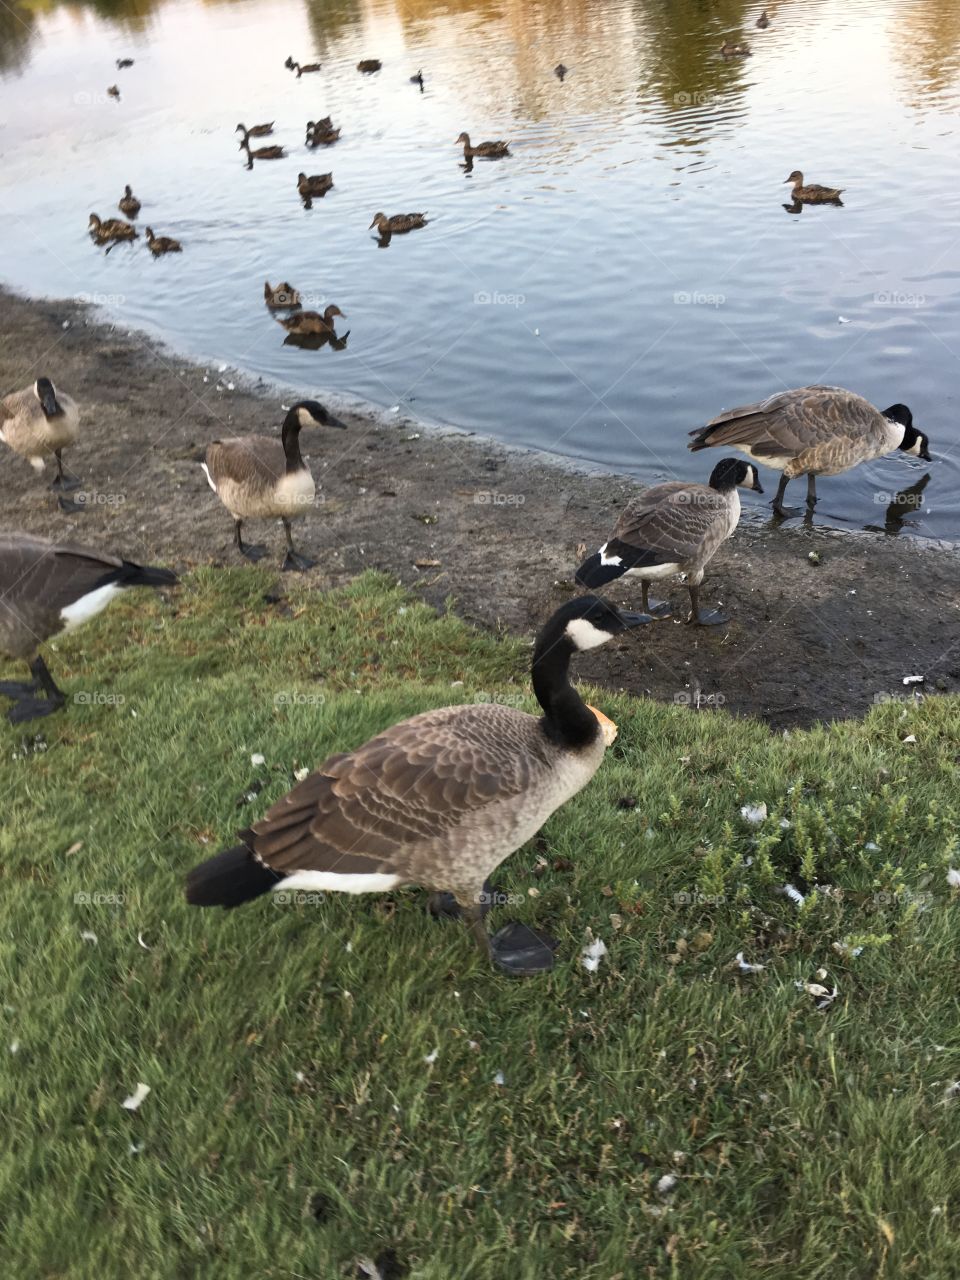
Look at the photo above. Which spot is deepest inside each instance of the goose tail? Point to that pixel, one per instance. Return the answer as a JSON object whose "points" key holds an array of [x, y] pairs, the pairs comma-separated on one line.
{"points": [[594, 572], [228, 879], [138, 575]]}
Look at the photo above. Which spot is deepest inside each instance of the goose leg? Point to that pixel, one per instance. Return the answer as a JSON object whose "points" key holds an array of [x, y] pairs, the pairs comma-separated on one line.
{"points": [[447, 906], [778, 506], [294, 560], [253, 551], [60, 481], [811, 490], [32, 708], [704, 617], [658, 609]]}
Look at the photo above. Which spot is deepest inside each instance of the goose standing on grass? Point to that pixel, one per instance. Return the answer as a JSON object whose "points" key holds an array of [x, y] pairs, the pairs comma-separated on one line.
{"points": [[263, 478], [46, 588], [128, 203], [813, 431], [670, 529], [37, 422], [439, 800]]}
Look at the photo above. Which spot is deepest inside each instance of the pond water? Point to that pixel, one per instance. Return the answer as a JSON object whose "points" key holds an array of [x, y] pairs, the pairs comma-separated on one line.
{"points": [[625, 274]]}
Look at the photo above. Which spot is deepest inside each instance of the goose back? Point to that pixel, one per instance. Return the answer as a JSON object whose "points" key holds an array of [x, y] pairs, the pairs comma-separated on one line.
{"points": [[674, 527], [250, 476]]}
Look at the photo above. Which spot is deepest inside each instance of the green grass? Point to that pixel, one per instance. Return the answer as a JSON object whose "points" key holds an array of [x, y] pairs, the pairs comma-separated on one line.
{"points": [[293, 1123]]}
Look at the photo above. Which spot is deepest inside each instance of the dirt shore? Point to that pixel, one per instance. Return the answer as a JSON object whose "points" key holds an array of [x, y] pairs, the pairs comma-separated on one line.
{"points": [[498, 530]]}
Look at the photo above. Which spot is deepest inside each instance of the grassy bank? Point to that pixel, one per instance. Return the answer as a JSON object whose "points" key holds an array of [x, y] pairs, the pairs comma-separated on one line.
{"points": [[294, 1122]]}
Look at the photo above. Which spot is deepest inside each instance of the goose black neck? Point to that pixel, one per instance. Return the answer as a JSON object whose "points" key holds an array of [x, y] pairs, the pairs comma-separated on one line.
{"points": [[567, 719], [290, 436]]}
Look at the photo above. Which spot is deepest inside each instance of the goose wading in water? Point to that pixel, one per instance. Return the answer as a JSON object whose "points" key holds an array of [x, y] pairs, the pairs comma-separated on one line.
{"points": [[439, 800], [48, 587], [261, 477], [673, 528], [813, 431]]}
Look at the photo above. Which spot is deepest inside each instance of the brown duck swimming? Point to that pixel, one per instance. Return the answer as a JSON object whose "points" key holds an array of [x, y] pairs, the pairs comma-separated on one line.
{"points": [[128, 203], [312, 321], [730, 50], [812, 194], [112, 229], [256, 130], [492, 150], [313, 185], [162, 244], [763, 21], [281, 297], [305, 68], [369, 64], [398, 224]]}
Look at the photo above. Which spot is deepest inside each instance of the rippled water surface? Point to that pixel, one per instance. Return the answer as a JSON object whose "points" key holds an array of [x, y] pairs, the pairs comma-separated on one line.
{"points": [[629, 271]]}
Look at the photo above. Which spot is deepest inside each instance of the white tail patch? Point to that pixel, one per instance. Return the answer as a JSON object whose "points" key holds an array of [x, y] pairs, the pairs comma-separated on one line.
{"points": [[605, 559], [209, 477], [338, 882], [88, 606]]}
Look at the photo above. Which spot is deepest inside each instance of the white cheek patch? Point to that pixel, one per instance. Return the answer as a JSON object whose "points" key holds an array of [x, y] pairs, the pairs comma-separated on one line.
{"points": [[209, 477], [585, 635], [605, 559], [306, 418], [332, 882], [89, 605]]}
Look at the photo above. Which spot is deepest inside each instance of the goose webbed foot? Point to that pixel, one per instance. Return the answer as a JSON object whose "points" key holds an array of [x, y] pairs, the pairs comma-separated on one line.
{"points": [[520, 951], [784, 513], [33, 709], [708, 618], [65, 484], [294, 562], [445, 905], [68, 505], [656, 608], [18, 688], [252, 551]]}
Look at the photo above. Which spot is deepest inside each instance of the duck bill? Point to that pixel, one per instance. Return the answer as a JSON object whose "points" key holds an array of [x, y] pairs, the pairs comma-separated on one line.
{"points": [[607, 727]]}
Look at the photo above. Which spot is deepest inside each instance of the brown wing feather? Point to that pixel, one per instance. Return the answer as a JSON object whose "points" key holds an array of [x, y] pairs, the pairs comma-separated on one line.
{"points": [[673, 518], [788, 423], [369, 810], [248, 460]]}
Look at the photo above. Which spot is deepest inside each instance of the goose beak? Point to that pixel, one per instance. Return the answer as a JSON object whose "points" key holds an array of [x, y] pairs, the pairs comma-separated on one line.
{"points": [[757, 487], [48, 400], [607, 727], [335, 422], [635, 619]]}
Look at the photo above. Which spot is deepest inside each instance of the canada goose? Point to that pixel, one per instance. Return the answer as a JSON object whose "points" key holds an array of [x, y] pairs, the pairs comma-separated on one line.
{"points": [[262, 153], [123, 63], [128, 203], [113, 91], [763, 21], [46, 588], [492, 150], [560, 71], [311, 321], [369, 64], [305, 68], [281, 297], [398, 224], [418, 79], [162, 244], [315, 184], [812, 194], [112, 229], [813, 431], [438, 800], [38, 421], [673, 528], [261, 477], [256, 130], [730, 50]]}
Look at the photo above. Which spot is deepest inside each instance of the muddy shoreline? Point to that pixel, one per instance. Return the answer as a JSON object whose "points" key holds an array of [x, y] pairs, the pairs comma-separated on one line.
{"points": [[455, 515]]}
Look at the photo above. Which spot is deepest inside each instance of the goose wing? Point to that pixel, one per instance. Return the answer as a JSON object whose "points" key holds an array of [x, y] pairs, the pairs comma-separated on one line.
{"points": [[369, 810], [667, 524], [246, 460], [790, 422], [54, 575]]}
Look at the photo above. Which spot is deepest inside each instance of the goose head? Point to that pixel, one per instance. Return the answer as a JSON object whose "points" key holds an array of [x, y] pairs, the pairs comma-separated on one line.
{"points": [[914, 441], [310, 413], [586, 623], [729, 473], [46, 393]]}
